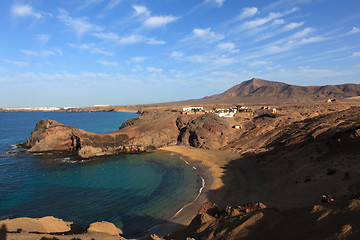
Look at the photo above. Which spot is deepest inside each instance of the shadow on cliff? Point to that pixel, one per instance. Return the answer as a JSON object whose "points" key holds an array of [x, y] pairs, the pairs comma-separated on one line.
{"points": [[292, 176], [3, 232]]}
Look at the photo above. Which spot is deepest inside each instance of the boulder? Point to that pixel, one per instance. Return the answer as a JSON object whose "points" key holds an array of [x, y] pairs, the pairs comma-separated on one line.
{"points": [[105, 227]]}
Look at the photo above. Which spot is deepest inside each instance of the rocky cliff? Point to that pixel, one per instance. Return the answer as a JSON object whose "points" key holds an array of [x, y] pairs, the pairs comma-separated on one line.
{"points": [[246, 132]]}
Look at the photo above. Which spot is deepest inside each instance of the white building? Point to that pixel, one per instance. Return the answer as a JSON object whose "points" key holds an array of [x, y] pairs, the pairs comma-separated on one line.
{"points": [[189, 109], [228, 112]]}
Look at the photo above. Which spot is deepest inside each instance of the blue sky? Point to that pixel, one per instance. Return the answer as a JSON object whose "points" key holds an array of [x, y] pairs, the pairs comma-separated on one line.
{"points": [[86, 52]]}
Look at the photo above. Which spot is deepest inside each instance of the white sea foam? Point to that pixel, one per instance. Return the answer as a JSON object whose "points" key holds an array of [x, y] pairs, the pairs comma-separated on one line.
{"points": [[200, 191], [38, 154], [14, 146]]}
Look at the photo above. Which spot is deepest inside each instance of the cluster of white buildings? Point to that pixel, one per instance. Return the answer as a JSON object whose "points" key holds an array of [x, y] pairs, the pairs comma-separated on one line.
{"points": [[225, 112]]}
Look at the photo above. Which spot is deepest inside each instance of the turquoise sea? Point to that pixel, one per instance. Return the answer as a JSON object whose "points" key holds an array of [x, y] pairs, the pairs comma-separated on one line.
{"points": [[134, 191]]}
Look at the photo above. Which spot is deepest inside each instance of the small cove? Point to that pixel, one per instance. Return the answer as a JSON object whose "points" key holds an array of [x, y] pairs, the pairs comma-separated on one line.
{"points": [[134, 191]]}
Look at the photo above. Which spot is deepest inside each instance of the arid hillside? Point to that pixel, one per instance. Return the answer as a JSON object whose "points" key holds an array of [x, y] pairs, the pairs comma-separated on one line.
{"points": [[262, 91]]}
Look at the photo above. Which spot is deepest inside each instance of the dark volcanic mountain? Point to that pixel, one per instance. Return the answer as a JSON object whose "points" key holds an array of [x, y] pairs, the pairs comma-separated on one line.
{"points": [[263, 91]]}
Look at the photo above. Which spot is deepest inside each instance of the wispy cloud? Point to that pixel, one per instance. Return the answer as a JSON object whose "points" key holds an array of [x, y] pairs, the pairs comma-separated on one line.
{"points": [[223, 61], [286, 28], [218, 3], [356, 54], [264, 20], [129, 39], [78, 25], [354, 30], [112, 4], [137, 59], [22, 10], [17, 63], [108, 63], [141, 10], [87, 3], [198, 58], [91, 48], [257, 63], [228, 47], [207, 34], [246, 13], [177, 54], [291, 44], [154, 70], [159, 21], [43, 38], [42, 53]]}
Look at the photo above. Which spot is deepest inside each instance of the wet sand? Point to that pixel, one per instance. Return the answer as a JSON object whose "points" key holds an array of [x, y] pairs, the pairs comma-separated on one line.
{"points": [[210, 165]]}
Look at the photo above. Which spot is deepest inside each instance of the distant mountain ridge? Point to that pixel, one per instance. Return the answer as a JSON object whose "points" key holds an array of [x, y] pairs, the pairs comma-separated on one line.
{"points": [[258, 90]]}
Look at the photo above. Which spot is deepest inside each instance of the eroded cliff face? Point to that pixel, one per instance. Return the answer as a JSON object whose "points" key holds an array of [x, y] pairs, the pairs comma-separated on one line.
{"points": [[146, 132], [144, 135], [243, 133]]}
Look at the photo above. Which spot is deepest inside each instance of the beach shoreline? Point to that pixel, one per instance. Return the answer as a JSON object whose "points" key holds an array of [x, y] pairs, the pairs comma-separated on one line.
{"points": [[209, 165]]}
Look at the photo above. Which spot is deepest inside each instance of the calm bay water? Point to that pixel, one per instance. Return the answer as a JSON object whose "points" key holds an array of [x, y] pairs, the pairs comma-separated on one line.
{"points": [[134, 191]]}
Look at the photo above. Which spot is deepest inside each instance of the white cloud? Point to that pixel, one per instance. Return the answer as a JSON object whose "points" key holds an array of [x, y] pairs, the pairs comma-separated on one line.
{"points": [[141, 10], [177, 54], [291, 43], [155, 70], [227, 46], [78, 25], [312, 40], [221, 61], [107, 63], [261, 21], [91, 48], [354, 30], [292, 26], [101, 51], [42, 53], [109, 36], [356, 54], [159, 21], [197, 59], [207, 34], [138, 59], [112, 4], [303, 33], [218, 3], [256, 63], [87, 3], [21, 10], [17, 63], [246, 13], [130, 39], [43, 38], [153, 41], [286, 28]]}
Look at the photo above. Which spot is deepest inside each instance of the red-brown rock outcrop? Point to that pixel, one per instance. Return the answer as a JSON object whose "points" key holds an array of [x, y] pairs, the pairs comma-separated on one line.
{"points": [[152, 130]]}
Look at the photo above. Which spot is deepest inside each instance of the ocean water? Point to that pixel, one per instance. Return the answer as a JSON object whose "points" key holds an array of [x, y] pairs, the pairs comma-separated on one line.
{"points": [[134, 191]]}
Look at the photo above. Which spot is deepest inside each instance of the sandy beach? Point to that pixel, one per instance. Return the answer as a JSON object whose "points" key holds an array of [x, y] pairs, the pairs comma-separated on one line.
{"points": [[210, 165]]}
